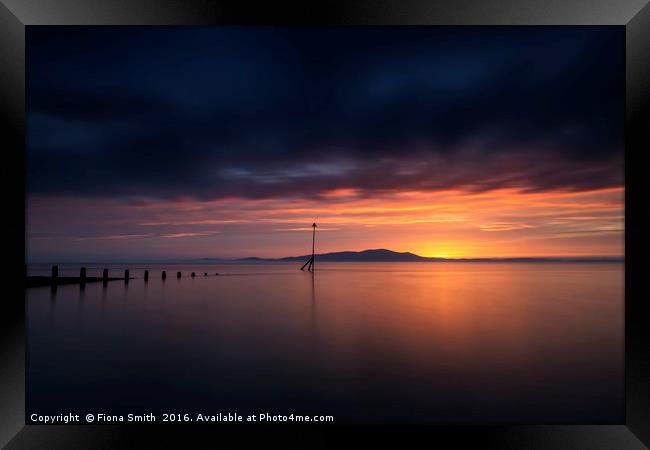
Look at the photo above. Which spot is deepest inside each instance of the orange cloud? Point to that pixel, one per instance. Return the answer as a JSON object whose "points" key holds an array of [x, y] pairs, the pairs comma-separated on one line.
{"points": [[453, 223]]}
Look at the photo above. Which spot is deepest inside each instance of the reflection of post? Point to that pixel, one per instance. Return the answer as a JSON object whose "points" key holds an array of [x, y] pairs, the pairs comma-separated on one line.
{"points": [[314, 330], [313, 298]]}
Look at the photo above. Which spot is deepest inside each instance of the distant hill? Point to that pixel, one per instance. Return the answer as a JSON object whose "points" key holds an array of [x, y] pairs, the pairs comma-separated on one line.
{"points": [[365, 255], [384, 255]]}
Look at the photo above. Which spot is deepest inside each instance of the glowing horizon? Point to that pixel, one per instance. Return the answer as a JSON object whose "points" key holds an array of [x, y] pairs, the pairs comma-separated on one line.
{"points": [[450, 224]]}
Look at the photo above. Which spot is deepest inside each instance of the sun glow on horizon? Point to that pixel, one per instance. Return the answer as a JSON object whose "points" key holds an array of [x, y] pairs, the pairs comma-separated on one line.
{"points": [[444, 224]]}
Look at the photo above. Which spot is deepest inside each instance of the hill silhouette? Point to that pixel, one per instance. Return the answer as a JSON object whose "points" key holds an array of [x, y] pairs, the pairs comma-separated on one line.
{"points": [[385, 255], [365, 255]]}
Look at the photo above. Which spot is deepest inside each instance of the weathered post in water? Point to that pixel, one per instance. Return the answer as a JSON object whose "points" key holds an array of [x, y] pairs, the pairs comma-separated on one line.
{"points": [[82, 275], [313, 247], [310, 263], [146, 276], [193, 274], [55, 274], [164, 275], [126, 276], [178, 275], [105, 276]]}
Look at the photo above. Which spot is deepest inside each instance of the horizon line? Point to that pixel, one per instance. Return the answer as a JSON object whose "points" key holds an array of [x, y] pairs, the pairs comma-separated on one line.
{"points": [[531, 258]]}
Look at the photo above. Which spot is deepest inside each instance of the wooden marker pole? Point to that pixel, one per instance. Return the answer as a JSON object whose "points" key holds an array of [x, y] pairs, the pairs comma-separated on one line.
{"points": [[313, 246], [310, 264]]}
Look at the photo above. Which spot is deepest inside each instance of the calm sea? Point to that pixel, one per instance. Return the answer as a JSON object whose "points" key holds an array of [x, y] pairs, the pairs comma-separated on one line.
{"points": [[363, 342]]}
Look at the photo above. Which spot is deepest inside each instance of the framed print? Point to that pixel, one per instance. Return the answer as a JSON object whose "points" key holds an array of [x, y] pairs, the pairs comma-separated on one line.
{"points": [[261, 222]]}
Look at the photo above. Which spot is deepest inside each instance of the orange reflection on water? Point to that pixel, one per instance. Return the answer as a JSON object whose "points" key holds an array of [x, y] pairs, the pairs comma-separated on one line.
{"points": [[375, 342]]}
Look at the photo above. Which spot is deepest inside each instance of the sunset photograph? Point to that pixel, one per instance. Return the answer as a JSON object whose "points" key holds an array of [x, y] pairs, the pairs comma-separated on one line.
{"points": [[366, 225]]}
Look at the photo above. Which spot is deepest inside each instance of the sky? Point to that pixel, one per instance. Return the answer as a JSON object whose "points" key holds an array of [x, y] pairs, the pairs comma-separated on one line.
{"points": [[153, 143]]}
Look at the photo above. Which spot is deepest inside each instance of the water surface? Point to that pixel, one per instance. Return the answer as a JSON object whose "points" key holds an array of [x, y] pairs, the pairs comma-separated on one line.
{"points": [[364, 342]]}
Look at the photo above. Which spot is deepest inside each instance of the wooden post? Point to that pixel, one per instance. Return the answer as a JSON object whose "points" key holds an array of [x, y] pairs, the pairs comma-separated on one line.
{"points": [[82, 274], [313, 244], [126, 276], [178, 275], [310, 264], [146, 276], [164, 275], [105, 275], [193, 274], [205, 274], [55, 273]]}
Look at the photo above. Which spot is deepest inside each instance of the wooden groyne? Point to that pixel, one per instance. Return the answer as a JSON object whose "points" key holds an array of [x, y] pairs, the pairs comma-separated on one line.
{"points": [[54, 279]]}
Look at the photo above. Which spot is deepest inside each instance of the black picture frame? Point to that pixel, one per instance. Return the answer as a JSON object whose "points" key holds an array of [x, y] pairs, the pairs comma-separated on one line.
{"points": [[15, 15]]}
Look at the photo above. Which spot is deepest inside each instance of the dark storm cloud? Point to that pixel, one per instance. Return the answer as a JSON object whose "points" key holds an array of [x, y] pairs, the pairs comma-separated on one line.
{"points": [[92, 105], [265, 112]]}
